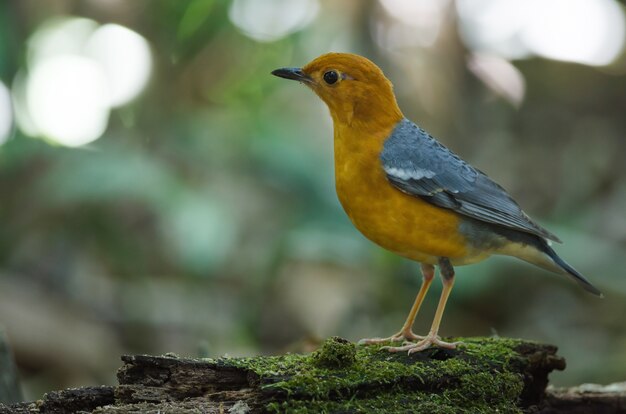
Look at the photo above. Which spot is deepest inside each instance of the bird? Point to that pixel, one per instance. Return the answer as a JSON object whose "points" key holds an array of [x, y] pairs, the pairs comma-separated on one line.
{"points": [[410, 194]]}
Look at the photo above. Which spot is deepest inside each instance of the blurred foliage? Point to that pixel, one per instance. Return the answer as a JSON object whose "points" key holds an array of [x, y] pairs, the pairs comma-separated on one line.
{"points": [[204, 221]]}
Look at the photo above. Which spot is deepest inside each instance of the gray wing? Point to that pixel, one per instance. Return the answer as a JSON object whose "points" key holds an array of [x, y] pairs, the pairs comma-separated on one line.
{"points": [[419, 165]]}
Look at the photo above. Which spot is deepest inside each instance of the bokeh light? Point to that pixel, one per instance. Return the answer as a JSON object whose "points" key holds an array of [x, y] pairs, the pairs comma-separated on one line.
{"points": [[23, 119], [6, 113], [126, 60], [421, 22], [560, 31], [583, 31], [499, 75], [59, 36], [77, 72], [67, 100], [273, 19]]}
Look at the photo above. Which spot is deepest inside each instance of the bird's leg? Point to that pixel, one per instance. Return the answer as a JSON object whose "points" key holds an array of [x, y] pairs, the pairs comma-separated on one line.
{"points": [[406, 333], [447, 276]]}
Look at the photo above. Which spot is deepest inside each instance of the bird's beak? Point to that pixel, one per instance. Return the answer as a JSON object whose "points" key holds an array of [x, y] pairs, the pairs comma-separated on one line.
{"points": [[293, 74]]}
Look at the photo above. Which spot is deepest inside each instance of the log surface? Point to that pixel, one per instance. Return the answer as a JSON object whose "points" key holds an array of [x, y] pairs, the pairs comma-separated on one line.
{"points": [[485, 374]]}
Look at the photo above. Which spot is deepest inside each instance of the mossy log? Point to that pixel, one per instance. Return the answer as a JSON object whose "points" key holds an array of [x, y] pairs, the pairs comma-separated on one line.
{"points": [[484, 375]]}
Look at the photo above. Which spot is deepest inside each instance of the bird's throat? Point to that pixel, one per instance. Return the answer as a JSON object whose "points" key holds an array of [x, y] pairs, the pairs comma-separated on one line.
{"points": [[361, 120]]}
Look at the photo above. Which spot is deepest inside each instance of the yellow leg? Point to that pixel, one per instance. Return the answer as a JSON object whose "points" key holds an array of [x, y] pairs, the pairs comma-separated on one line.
{"points": [[406, 333], [447, 275], [445, 293], [428, 272]]}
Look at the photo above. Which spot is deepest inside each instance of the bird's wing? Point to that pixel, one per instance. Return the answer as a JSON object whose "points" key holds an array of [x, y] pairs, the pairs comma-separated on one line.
{"points": [[419, 165]]}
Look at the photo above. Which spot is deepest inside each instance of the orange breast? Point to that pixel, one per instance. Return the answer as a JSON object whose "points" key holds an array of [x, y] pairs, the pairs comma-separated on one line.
{"points": [[390, 218]]}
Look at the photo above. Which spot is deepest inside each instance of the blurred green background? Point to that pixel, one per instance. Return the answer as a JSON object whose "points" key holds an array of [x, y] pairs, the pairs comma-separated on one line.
{"points": [[161, 192]]}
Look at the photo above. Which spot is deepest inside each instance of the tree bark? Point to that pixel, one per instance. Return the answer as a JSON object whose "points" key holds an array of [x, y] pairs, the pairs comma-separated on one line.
{"points": [[486, 374]]}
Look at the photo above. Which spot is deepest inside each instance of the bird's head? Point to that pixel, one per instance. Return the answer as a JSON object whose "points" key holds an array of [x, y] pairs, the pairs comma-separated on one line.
{"points": [[354, 88]]}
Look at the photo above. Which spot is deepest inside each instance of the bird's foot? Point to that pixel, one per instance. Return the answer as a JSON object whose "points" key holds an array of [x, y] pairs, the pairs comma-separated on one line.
{"points": [[428, 341], [404, 335]]}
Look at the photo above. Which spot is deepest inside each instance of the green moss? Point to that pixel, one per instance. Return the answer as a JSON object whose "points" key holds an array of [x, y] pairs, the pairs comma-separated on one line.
{"points": [[398, 402], [340, 377], [335, 353]]}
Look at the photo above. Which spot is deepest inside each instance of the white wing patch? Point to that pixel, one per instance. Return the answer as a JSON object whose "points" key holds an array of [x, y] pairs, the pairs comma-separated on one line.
{"points": [[409, 173]]}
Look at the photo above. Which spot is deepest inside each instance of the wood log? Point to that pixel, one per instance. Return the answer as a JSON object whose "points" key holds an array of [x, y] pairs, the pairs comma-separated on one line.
{"points": [[587, 398], [484, 375]]}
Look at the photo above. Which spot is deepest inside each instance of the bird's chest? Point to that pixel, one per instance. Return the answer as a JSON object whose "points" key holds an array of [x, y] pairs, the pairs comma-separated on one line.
{"points": [[359, 179], [394, 220]]}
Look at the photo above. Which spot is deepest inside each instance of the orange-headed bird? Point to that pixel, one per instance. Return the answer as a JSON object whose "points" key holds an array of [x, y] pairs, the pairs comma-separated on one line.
{"points": [[411, 195]]}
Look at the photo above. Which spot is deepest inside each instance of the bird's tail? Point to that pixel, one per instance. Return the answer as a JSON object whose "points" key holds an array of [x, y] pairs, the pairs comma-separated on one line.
{"points": [[570, 271], [536, 250]]}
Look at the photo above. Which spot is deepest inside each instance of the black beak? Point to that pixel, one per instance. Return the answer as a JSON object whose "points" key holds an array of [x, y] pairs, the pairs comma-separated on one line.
{"points": [[292, 73]]}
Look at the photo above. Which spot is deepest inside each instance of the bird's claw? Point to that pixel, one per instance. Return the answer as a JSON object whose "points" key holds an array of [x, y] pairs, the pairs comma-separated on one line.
{"points": [[423, 344], [406, 336]]}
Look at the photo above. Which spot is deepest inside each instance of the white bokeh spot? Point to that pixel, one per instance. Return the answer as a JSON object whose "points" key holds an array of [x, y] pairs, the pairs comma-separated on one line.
{"points": [[271, 20], [67, 100], [77, 72], [59, 36], [585, 31], [126, 59], [591, 32]]}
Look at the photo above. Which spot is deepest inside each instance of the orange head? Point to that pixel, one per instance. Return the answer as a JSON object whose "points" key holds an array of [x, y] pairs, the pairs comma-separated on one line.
{"points": [[354, 88]]}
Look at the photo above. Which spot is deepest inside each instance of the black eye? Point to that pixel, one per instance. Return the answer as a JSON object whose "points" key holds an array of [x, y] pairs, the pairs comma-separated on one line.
{"points": [[331, 77]]}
